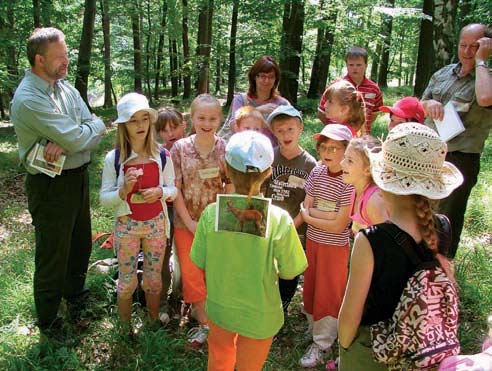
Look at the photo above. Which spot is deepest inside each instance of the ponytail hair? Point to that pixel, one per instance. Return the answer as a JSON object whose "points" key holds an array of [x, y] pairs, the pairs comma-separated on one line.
{"points": [[347, 95], [426, 222], [247, 183]]}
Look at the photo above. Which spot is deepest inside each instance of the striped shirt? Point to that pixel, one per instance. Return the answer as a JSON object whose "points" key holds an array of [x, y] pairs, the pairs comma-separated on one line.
{"points": [[330, 193], [373, 98]]}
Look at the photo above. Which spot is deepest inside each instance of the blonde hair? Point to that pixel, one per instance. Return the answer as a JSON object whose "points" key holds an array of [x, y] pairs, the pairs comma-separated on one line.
{"points": [[424, 210], [347, 95], [248, 111], [205, 99], [364, 144], [168, 116], [247, 183], [151, 147]]}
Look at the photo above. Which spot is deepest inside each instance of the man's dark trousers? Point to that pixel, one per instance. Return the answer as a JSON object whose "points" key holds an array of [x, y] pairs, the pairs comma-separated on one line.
{"points": [[60, 211], [454, 206]]}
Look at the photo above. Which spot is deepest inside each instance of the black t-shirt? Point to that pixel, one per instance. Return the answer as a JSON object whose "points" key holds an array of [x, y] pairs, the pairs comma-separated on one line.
{"points": [[392, 269]]}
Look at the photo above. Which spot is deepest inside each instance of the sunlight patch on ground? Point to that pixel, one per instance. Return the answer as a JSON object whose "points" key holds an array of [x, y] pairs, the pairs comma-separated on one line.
{"points": [[6, 147]]}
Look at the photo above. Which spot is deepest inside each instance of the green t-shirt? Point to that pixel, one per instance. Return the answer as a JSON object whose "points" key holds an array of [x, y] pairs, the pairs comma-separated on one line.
{"points": [[242, 271]]}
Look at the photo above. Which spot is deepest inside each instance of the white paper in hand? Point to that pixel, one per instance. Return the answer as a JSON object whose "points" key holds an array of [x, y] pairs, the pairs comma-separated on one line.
{"points": [[451, 124]]}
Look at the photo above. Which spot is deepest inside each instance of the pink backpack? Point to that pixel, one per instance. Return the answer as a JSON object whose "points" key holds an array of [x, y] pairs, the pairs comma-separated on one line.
{"points": [[423, 329]]}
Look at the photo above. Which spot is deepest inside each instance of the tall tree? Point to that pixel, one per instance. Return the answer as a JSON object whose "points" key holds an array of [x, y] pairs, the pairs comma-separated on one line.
{"points": [[160, 49], [105, 18], [148, 37], [173, 62], [387, 27], [322, 55], [186, 53], [137, 46], [291, 48], [85, 49], [231, 81], [42, 12], [206, 10], [444, 31], [425, 57]]}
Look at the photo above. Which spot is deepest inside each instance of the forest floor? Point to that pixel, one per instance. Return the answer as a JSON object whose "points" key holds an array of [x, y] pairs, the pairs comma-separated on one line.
{"points": [[98, 345]]}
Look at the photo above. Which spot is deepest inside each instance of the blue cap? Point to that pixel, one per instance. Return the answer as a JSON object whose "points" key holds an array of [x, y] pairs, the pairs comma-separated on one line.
{"points": [[249, 152], [284, 110]]}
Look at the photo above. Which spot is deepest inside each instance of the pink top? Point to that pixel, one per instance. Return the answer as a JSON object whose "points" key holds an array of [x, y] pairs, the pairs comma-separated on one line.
{"points": [[359, 214]]}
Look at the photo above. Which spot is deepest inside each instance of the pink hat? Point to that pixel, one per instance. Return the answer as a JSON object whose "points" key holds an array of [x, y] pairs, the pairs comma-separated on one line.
{"points": [[407, 108], [334, 131]]}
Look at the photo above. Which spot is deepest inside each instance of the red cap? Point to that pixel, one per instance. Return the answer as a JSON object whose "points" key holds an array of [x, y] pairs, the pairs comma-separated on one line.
{"points": [[408, 108]]}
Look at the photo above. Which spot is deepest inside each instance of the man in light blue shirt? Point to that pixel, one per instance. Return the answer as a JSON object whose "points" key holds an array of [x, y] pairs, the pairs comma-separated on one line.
{"points": [[47, 108]]}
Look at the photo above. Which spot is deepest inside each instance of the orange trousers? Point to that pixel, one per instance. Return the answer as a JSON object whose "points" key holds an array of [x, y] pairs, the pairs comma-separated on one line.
{"points": [[325, 279], [192, 277], [226, 349]]}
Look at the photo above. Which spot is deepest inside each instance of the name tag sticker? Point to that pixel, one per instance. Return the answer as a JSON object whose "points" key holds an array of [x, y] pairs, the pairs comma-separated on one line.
{"points": [[211, 172], [295, 181], [324, 205], [370, 95]]}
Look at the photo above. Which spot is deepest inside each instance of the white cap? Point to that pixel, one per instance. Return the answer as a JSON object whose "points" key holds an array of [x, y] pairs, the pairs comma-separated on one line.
{"points": [[249, 152], [130, 104], [335, 132]]}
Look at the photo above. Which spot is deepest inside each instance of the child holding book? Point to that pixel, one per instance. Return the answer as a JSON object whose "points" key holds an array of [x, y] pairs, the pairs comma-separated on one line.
{"points": [[136, 183], [200, 169], [326, 210], [246, 313], [290, 169]]}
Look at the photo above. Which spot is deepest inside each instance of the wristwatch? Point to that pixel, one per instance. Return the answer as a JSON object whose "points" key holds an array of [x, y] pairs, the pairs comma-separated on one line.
{"points": [[481, 64]]}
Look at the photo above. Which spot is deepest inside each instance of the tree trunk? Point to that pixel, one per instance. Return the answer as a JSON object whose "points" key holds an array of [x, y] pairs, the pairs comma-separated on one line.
{"points": [[321, 63], [85, 49], [160, 48], [12, 62], [108, 102], [148, 52], [186, 54], [425, 57], [173, 61], [36, 10], [291, 48], [375, 60], [204, 45], [231, 82], [218, 58], [387, 27], [137, 47], [444, 31], [42, 12]]}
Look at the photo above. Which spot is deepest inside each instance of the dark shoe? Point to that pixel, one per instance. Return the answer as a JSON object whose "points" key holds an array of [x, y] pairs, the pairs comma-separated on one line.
{"points": [[84, 306], [55, 336]]}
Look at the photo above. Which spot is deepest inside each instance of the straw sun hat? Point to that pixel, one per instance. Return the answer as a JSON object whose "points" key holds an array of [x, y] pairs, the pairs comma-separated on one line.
{"points": [[412, 162]]}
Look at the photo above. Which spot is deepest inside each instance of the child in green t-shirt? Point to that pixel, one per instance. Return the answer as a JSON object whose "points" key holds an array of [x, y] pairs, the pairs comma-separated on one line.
{"points": [[243, 303]]}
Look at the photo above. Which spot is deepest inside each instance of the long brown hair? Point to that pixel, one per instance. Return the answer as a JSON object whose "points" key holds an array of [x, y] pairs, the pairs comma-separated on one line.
{"points": [[151, 146], [264, 64]]}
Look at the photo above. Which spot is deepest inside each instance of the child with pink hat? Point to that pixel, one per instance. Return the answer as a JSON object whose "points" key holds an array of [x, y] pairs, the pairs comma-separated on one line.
{"points": [[408, 109]]}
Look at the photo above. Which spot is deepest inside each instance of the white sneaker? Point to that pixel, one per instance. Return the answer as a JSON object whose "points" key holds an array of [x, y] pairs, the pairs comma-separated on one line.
{"points": [[164, 317], [313, 356], [197, 336]]}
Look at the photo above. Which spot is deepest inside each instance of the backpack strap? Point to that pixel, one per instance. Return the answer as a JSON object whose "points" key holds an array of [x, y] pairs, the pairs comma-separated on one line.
{"points": [[163, 153], [117, 161], [408, 245]]}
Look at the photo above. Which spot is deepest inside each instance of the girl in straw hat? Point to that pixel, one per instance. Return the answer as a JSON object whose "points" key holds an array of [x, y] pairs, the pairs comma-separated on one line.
{"points": [[411, 172]]}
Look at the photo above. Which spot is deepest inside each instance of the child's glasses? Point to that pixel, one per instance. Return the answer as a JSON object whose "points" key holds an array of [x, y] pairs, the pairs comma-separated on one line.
{"points": [[329, 149]]}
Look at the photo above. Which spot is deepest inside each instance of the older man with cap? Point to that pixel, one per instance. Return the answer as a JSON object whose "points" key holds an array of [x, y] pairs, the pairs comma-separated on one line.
{"points": [[48, 109], [468, 85]]}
